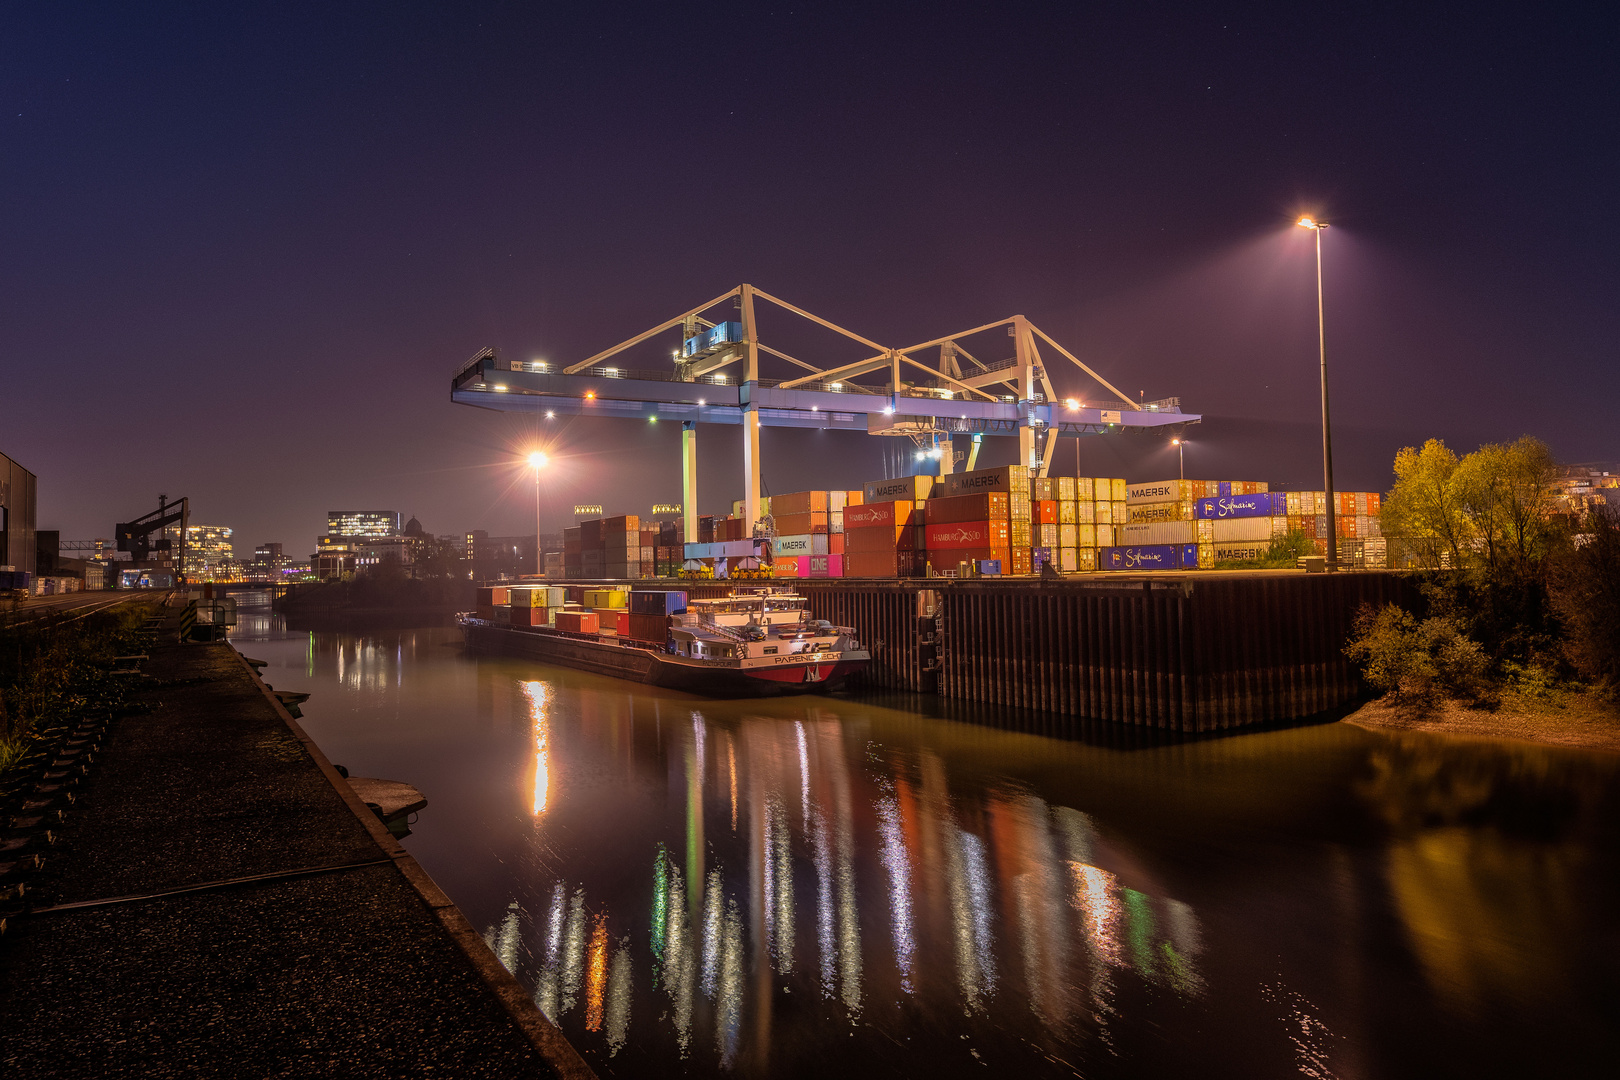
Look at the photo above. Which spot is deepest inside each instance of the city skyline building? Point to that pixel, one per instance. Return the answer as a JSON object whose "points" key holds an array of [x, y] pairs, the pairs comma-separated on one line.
{"points": [[208, 553], [362, 523]]}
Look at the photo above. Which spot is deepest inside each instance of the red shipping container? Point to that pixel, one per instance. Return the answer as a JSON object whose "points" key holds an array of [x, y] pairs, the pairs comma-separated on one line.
{"points": [[968, 534], [835, 544], [983, 506], [653, 629], [529, 616], [578, 622], [880, 564], [790, 566], [1021, 562], [1044, 511], [879, 538], [800, 524], [873, 514]]}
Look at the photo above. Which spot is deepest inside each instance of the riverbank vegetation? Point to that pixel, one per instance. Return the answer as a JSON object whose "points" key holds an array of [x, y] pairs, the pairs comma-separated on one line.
{"points": [[1519, 631], [53, 671]]}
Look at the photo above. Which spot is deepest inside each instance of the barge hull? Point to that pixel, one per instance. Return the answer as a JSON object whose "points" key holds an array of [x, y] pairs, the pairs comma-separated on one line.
{"points": [[646, 665]]}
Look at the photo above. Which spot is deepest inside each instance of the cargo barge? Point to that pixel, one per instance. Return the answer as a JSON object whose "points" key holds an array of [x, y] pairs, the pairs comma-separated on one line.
{"points": [[754, 643]]}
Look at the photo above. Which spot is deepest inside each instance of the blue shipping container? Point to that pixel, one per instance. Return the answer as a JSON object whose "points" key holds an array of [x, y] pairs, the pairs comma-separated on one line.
{"points": [[657, 602], [1266, 504], [1151, 557], [990, 567]]}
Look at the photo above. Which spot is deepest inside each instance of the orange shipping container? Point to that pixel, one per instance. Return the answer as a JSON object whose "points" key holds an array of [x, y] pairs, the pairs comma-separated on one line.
{"points": [[799, 524], [835, 543], [578, 622], [799, 502]]}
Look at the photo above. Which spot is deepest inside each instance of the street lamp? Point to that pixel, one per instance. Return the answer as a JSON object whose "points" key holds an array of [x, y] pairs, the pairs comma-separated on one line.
{"points": [[537, 461], [1327, 430], [1181, 456]]}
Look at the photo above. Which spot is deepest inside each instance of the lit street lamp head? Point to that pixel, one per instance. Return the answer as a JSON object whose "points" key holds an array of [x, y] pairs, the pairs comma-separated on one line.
{"points": [[537, 460], [1311, 223]]}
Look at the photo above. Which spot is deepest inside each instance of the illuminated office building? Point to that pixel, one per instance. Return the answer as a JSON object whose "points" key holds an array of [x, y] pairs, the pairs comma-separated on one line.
{"points": [[208, 553], [362, 523]]}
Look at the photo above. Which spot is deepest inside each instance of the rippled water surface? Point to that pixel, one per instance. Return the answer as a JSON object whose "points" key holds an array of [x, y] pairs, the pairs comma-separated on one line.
{"points": [[818, 886]]}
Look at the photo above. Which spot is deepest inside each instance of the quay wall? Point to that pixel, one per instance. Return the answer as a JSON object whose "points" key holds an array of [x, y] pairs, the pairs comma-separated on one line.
{"points": [[1186, 652]]}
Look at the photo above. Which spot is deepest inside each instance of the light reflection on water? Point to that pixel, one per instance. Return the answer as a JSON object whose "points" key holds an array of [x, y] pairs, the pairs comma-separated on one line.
{"points": [[813, 885]]}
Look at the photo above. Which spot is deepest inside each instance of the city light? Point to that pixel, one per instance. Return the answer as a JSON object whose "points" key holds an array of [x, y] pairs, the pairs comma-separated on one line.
{"points": [[550, 415], [1073, 403], [537, 460], [590, 395], [888, 410]]}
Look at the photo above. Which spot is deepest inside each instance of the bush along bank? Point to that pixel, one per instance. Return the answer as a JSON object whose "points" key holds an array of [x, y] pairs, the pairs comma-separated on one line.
{"points": [[1521, 598]]}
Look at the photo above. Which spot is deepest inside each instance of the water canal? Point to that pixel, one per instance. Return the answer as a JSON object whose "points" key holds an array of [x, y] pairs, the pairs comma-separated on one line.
{"points": [[836, 886]]}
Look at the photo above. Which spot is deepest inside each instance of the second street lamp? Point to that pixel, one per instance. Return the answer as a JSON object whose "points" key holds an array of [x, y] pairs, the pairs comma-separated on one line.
{"points": [[537, 461], [1327, 431], [1181, 456]]}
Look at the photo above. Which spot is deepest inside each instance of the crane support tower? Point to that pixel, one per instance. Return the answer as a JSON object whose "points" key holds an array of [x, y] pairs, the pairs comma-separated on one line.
{"points": [[929, 392]]}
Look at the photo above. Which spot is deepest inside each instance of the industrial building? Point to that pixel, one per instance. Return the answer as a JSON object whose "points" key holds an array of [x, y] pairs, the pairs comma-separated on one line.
{"points": [[19, 493]]}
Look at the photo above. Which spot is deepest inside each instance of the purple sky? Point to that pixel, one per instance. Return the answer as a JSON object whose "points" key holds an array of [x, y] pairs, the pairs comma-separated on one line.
{"points": [[241, 253]]}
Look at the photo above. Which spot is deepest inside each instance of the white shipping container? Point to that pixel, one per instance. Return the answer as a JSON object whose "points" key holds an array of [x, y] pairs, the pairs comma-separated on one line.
{"points": [[1164, 491], [835, 520], [1065, 488], [1105, 536], [1068, 536], [1245, 550], [1085, 512], [1068, 560], [1085, 535], [1103, 513], [1230, 530], [1116, 489], [836, 501], [803, 544], [1085, 489], [1122, 513], [1206, 530], [1156, 532], [1162, 511]]}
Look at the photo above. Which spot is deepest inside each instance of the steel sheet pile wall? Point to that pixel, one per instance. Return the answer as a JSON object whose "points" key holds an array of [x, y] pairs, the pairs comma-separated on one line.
{"points": [[1186, 655], [885, 617]]}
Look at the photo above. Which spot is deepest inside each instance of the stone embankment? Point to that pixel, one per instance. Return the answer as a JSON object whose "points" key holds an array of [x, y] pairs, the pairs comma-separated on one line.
{"points": [[196, 891]]}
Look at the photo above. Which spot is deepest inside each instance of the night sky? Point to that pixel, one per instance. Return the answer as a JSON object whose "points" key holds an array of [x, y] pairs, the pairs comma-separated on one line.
{"points": [[242, 251]]}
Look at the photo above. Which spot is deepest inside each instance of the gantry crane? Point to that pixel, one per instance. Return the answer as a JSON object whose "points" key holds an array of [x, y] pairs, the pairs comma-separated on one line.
{"points": [[714, 377]]}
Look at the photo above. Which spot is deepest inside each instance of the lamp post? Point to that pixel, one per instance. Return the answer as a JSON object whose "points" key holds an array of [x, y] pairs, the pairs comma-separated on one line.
{"points": [[1327, 430], [537, 461], [1181, 456]]}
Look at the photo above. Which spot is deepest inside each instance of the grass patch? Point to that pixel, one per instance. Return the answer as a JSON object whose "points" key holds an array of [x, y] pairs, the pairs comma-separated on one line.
{"points": [[53, 674]]}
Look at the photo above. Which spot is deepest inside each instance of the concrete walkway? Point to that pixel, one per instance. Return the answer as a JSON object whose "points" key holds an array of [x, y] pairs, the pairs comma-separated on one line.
{"points": [[362, 968]]}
